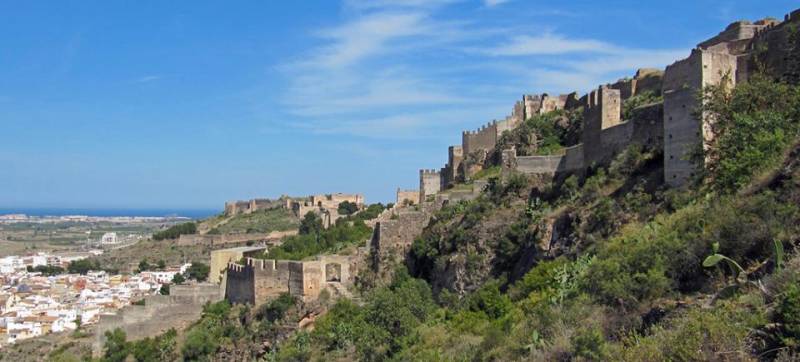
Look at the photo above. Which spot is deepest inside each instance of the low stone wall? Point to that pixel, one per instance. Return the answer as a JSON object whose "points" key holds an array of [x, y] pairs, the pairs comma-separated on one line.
{"points": [[259, 280], [183, 306], [213, 240], [392, 238], [538, 164]]}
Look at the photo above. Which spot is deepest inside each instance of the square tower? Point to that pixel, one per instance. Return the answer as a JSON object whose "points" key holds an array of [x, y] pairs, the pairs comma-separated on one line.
{"points": [[684, 128], [603, 110]]}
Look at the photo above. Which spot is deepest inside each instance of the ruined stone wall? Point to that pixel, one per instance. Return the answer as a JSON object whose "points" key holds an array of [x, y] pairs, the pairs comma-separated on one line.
{"points": [[430, 183], [483, 139], [645, 80], [615, 139], [683, 131], [573, 159], [602, 111], [740, 30], [221, 258], [233, 208], [648, 126], [183, 306], [222, 239], [455, 156], [260, 280], [539, 164], [239, 284], [772, 47], [392, 238], [406, 196], [236, 207], [332, 201]]}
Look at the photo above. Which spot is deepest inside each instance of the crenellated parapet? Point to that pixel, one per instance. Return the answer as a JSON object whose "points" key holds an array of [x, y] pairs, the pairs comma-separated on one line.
{"points": [[258, 280]]}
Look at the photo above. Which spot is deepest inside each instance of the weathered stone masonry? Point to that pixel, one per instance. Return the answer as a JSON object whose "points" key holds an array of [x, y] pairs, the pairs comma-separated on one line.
{"points": [[259, 280]]}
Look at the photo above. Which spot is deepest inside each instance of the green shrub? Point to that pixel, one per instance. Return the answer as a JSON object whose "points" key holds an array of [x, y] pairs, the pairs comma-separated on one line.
{"points": [[277, 308], [788, 314], [176, 231], [753, 124]]}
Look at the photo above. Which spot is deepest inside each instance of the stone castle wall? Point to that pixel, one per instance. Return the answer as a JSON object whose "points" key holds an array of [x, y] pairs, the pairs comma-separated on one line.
{"points": [[220, 259], [430, 183], [483, 139], [601, 112], [406, 197], [223, 239], [392, 239], [671, 125], [260, 280], [183, 306]]}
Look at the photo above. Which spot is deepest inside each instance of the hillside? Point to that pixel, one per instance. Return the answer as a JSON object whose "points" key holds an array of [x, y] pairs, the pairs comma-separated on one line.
{"points": [[662, 225], [261, 221]]}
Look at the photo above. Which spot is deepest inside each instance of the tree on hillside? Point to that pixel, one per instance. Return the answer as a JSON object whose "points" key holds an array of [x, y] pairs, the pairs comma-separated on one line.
{"points": [[311, 224], [116, 346], [144, 265], [198, 271], [347, 208], [176, 231]]}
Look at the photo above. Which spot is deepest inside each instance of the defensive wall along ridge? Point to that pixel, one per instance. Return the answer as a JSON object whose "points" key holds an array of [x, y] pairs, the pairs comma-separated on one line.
{"points": [[672, 126], [159, 313], [258, 280]]}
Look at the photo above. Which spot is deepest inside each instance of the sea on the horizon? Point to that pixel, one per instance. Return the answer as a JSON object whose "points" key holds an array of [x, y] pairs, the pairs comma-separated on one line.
{"points": [[190, 213]]}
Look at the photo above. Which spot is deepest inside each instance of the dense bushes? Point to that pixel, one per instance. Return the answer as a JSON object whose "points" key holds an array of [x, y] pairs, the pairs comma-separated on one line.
{"points": [[378, 329], [314, 240], [753, 124], [176, 231], [647, 262]]}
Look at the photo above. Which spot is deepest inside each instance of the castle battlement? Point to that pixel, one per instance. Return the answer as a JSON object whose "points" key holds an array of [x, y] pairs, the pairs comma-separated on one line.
{"points": [[794, 15], [431, 172]]}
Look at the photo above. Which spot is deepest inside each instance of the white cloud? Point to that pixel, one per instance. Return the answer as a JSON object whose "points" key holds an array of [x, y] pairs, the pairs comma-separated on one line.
{"points": [[395, 69], [493, 3], [367, 36], [549, 44], [147, 79]]}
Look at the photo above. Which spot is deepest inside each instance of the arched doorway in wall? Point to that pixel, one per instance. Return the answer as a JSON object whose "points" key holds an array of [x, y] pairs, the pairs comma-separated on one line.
{"points": [[333, 272]]}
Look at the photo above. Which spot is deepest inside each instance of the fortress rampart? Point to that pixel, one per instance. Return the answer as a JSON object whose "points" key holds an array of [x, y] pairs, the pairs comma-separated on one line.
{"points": [[672, 125], [392, 239], [430, 183], [183, 306], [259, 280], [223, 239], [404, 197]]}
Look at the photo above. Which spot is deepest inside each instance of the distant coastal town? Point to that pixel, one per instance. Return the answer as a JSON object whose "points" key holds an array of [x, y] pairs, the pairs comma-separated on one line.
{"points": [[33, 303], [23, 218]]}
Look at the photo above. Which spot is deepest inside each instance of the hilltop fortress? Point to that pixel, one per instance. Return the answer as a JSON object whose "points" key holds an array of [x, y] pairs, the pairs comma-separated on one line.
{"points": [[325, 205], [672, 126], [668, 123]]}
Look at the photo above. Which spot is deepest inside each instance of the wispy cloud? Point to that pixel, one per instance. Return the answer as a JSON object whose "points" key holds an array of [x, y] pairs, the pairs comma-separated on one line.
{"points": [[493, 3], [147, 79], [549, 44], [365, 37], [406, 68]]}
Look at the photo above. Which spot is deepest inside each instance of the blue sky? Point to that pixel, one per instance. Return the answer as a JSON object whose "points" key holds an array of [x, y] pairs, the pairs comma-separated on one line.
{"points": [[186, 104]]}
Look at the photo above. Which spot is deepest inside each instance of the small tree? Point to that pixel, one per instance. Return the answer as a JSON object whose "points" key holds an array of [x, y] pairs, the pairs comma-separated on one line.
{"points": [[116, 346], [164, 289], [178, 279], [162, 264], [198, 271], [311, 224], [144, 265], [347, 208]]}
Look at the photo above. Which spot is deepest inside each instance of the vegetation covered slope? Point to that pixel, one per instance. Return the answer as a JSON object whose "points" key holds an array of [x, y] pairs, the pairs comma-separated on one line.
{"points": [[617, 261], [609, 265], [260, 221]]}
